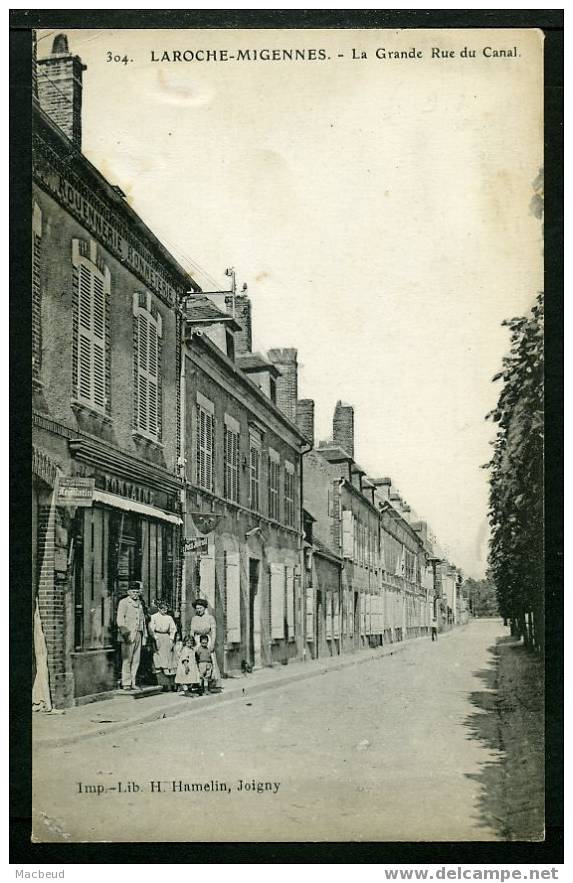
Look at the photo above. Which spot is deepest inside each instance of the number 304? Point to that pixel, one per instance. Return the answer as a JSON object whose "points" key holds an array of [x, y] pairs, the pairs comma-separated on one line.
{"points": [[119, 59]]}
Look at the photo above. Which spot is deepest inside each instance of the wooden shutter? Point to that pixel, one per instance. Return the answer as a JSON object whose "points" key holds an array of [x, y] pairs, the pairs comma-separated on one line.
{"points": [[277, 600], [207, 575], [309, 615], [336, 615], [289, 574], [328, 604], [347, 534], [233, 597]]}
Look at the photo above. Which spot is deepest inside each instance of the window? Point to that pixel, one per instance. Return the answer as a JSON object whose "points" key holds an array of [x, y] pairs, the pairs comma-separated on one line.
{"points": [[205, 442], [36, 292], [147, 366], [289, 495], [255, 472], [231, 459], [274, 481], [91, 345]]}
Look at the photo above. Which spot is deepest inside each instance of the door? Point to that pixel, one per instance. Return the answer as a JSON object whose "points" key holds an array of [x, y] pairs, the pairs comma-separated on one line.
{"points": [[254, 614]]}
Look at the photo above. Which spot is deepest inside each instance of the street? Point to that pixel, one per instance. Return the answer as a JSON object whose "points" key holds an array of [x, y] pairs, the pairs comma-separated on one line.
{"points": [[385, 750]]}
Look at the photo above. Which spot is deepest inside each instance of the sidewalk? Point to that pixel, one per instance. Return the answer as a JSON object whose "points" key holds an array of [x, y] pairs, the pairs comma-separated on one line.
{"points": [[100, 718]]}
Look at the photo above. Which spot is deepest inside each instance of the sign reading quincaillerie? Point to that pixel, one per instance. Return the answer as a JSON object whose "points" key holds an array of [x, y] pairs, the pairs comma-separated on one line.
{"points": [[75, 491]]}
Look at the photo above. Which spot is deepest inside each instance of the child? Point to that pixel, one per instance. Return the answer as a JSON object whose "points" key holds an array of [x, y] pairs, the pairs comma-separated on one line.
{"points": [[187, 672], [204, 663]]}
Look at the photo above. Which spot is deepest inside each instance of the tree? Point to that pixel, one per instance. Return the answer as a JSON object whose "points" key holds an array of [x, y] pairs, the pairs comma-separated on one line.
{"points": [[516, 480]]}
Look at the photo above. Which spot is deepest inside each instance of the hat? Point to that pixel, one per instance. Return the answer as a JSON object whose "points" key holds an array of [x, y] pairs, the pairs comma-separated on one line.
{"points": [[200, 602], [135, 586]]}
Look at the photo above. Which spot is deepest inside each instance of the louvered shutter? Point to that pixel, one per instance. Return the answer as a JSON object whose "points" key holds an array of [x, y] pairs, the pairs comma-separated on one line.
{"points": [[207, 575], [233, 597], [153, 399], [347, 534], [289, 574], [362, 602], [98, 340], [277, 600], [85, 333]]}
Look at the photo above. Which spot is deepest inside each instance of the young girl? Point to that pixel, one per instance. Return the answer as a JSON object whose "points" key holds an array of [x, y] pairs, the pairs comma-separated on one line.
{"points": [[187, 671]]}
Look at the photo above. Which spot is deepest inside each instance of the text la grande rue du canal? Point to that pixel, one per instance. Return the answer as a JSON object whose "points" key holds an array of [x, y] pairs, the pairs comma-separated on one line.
{"points": [[355, 54]]}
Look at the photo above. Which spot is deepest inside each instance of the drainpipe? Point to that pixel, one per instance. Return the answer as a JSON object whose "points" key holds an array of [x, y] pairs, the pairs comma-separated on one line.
{"points": [[302, 587], [181, 461]]}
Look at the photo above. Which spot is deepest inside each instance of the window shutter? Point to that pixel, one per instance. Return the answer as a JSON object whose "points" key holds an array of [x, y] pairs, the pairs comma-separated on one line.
{"points": [[277, 600], [336, 615], [347, 534], [290, 601], [328, 601], [233, 597], [207, 575], [309, 615]]}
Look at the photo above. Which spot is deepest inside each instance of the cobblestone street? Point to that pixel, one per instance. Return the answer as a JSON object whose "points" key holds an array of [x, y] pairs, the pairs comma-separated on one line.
{"points": [[379, 751]]}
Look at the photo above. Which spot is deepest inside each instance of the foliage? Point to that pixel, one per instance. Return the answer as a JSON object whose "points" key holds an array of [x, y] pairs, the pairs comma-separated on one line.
{"points": [[516, 480], [482, 596]]}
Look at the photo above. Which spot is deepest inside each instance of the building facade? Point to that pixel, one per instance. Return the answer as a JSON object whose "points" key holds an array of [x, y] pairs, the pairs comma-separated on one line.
{"points": [[243, 480], [106, 398]]}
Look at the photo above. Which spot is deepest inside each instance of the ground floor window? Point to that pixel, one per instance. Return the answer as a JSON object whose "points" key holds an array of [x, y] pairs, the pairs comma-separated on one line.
{"points": [[111, 548]]}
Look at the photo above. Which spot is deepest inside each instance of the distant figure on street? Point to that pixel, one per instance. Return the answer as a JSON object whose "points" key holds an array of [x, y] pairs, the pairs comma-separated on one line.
{"points": [[187, 672], [434, 628], [132, 629], [203, 623], [204, 663], [163, 629]]}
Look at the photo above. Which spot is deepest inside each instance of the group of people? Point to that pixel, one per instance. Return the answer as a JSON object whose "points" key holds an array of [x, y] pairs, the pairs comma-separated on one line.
{"points": [[187, 665]]}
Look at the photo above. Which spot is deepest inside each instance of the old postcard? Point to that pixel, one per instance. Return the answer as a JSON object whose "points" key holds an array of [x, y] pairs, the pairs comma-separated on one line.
{"points": [[288, 578]]}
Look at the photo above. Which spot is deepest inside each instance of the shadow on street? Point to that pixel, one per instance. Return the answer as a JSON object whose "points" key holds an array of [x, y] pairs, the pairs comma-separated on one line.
{"points": [[484, 725]]}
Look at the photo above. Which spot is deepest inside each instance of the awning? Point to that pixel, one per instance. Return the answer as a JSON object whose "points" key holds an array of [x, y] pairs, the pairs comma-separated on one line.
{"points": [[133, 506]]}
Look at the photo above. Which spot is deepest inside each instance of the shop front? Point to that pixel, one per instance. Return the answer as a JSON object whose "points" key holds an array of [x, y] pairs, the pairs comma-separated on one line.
{"points": [[130, 531]]}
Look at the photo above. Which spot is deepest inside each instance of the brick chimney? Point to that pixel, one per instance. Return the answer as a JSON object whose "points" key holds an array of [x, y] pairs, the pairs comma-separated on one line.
{"points": [[287, 384], [59, 79], [383, 486], [305, 419], [244, 337], [343, 427]]}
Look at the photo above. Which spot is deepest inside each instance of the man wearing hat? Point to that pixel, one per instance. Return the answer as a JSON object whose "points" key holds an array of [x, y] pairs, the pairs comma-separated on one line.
{"points": [[132, 629], [203, 623]]}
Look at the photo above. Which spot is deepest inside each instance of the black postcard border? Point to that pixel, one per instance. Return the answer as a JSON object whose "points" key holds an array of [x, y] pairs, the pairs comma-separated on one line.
{"points": [[22, 851]]}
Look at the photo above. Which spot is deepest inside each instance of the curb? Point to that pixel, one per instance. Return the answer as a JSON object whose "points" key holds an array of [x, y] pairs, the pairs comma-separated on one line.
{"points": [[172, 710]]}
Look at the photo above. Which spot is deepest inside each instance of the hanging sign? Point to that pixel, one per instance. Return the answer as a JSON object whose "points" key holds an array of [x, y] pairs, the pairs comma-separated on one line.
{"points": [[74, 491], [197, 545]]}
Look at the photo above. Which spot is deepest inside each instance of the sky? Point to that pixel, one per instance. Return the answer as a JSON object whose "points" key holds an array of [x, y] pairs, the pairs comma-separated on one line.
{"points": [[377, 208]]}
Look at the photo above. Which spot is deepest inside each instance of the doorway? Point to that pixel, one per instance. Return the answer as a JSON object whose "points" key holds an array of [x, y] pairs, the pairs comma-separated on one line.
{"points": [[254, 618]]}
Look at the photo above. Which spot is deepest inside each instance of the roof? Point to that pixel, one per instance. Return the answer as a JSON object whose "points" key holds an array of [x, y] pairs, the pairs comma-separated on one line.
{"points": [[256, 362], [199, 337], [200, 310], [76, 160], [323, 549], [333, 454]]}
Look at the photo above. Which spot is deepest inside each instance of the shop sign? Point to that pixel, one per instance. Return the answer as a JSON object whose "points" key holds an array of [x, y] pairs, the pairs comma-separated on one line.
{"points": [[75, 491], [128, 489], [197, 545]]}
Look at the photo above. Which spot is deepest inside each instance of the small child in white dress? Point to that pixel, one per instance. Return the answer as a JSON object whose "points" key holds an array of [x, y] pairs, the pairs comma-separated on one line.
{"points": [[187, 671]]}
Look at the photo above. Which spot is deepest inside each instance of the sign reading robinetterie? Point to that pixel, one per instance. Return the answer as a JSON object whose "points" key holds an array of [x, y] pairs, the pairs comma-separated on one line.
{"points": [[270, 272]]}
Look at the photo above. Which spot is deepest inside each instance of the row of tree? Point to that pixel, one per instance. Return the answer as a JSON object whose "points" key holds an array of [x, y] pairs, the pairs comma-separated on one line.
{"points": [[516, 484]]}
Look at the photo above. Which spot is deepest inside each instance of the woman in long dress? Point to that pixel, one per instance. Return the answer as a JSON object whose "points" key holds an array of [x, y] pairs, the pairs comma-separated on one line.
{"points": [[203, 623], [163, 630]]}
